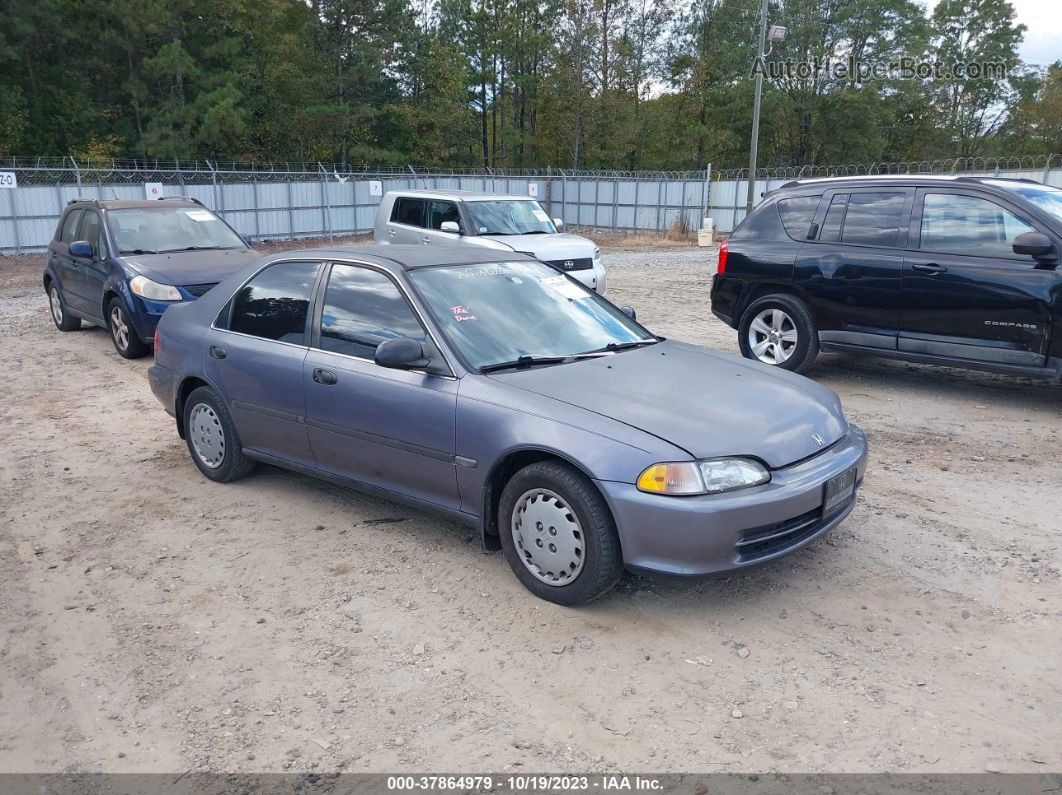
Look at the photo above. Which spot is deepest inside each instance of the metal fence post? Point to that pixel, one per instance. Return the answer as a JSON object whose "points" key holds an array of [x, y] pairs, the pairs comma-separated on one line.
{"points": [[564, 196], [257, 214], [326, 208], [213, 184], [77, 175], [291, 209], [637, 190], [14, 220], [615, 203], [659, 202]]}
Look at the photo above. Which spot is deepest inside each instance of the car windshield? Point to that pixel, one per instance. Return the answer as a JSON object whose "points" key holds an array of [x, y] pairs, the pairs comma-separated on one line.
{"points": [[509, 217], [500, 312], [169, 228], [1045, 197]]}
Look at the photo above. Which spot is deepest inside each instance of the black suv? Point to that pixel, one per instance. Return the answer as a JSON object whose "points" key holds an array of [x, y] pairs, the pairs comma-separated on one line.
{"points": [[939, 269]]}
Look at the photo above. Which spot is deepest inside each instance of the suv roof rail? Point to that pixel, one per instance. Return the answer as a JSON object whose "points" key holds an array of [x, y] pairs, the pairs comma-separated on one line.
{"points": [[82, 200], [180, 198], [996, 179]]}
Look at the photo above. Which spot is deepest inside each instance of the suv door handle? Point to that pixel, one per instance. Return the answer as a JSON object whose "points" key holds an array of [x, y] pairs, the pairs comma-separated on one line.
{"points": [[929, 267], [216, 352], [324, 377], [426, 240]]}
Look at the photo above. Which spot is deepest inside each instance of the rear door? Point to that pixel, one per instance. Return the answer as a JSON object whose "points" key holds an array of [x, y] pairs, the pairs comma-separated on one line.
{"points": [[850, 271], [966, 293], [406, 224], [255, 354]]}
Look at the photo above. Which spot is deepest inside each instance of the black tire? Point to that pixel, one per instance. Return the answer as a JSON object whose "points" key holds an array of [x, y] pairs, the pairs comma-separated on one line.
{"points": [[123, 334], [602, 560], [63, 320], [796, 357], [231, 464]]}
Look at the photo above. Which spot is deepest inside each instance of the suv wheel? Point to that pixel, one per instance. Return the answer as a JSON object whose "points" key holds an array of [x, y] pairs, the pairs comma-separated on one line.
{"points": [[62, 319], [778, 330], [558, 534], [212, 439], [123, 335]]}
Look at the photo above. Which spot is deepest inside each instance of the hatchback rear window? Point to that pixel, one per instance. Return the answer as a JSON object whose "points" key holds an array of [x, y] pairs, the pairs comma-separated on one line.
{"points": [[797, 214]]}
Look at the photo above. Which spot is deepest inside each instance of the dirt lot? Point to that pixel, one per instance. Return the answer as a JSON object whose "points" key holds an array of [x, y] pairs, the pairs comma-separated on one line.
{"points": [[155, 621]]}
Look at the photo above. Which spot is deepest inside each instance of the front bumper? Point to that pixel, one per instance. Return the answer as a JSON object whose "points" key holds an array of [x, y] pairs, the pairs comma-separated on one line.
{"points": [[714, 533], [595, 278], [163, 383]]}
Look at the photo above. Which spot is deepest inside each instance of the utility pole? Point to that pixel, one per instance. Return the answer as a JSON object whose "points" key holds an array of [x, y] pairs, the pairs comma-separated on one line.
{"points": [[756, 107]]}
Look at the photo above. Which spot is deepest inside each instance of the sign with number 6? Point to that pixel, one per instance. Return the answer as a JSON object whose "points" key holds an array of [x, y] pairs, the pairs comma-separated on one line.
{"points": [[153, 190]]}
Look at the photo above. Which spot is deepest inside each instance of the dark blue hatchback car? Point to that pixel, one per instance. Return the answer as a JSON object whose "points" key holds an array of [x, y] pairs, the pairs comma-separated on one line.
{"points": [[120, 264]]}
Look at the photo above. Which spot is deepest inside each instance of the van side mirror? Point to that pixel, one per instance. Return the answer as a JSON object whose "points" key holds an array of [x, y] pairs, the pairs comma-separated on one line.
{"points": [[1033, 244], [401, 354], [450, 226], [558, 222], [80, 248], [629, 312]]}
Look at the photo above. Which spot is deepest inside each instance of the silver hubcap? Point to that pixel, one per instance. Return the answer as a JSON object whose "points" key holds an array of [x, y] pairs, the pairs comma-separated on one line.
{"points": [[207, 435], [119, 328], [57, 305], [772, 336], [548, 537]]}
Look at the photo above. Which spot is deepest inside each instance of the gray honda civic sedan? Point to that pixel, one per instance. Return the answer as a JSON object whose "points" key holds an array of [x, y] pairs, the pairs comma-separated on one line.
{"points": [[503, 393]]}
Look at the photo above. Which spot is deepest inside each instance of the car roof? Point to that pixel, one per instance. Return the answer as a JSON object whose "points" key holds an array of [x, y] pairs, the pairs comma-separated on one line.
{"points": [[115, 204], [458, 195], [906, 179], [405, 257]]}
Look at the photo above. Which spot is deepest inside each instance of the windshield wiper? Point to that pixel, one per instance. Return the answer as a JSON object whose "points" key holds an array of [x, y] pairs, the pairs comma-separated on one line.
{"points": [[194, 248], [523, 361], [138, 251], [622, 346]]}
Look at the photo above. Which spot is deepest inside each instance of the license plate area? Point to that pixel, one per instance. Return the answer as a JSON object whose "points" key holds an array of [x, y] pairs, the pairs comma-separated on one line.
{"points": [[838, 492]]}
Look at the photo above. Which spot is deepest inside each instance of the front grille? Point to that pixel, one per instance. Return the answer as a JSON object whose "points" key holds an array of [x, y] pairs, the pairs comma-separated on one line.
{"points": [[760, 542], [572, 264], [198, 290]]}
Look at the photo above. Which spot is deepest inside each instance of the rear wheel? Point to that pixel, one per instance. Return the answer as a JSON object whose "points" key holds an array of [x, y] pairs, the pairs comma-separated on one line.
{"points": [[212, 439], [558, 534], [123, 335], [778, 330], [63, 320]]}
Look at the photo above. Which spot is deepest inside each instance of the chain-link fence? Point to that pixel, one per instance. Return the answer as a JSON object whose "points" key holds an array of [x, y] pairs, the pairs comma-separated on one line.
{"points": [[299, 200], [729, 188]]}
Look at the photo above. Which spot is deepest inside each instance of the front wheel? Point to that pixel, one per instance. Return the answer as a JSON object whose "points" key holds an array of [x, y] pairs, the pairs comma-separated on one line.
{"points": [[558, 534], [123, 335], [212, 439], [778, 330]]}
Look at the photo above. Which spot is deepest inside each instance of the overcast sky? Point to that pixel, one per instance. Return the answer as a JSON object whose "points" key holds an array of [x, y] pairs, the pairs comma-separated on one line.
{"points": [[1043, 39]]}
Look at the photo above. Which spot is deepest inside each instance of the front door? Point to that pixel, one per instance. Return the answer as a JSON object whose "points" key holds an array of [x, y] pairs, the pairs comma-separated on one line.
{"points": [[392, 429], [255, 356], [850, 271], [93, 271], [966, 293], [69, 269]]}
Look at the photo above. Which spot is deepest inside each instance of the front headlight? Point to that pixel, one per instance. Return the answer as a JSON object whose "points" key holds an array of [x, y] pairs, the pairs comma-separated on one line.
{"points": [[688, 478], [597, 252], [153, 291]]}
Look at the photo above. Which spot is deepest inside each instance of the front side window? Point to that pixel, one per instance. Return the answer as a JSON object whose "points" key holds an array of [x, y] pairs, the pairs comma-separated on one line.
{"points": [[797, 214], [509, 217], [273, 305], [70, 226], [440, 211], [408, 211], [363, 308], [499, 312], [169, 228], [873, 219], [92, 233], [969, 225], [1046, 197]]}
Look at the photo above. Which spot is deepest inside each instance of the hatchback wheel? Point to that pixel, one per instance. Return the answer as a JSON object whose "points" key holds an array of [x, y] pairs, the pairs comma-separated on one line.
{"points": [[123, 335], [62, 319], [212, 439], [558, 534], [778, 330]]}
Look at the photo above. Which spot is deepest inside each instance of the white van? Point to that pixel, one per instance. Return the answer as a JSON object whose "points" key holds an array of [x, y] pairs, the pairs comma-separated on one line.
{"points": [[491, 220]]}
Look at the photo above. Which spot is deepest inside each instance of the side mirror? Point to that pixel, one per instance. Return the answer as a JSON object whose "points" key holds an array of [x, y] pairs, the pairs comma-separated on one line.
{"points": [[450, 226], [629, 312], [80, 248], [558, 222], [401, 354], [1032, 244]]}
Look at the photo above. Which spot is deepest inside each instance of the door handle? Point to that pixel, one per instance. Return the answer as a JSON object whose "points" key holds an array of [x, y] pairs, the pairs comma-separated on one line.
{"points": [[929, 267], [426, 240], [216, 352], [391, 232], [324, 377]]}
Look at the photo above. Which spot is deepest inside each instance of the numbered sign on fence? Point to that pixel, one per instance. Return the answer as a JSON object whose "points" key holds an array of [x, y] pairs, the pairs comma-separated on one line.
{"points": [[375, 187], [8, 179], [153, 190], [532, 189]]}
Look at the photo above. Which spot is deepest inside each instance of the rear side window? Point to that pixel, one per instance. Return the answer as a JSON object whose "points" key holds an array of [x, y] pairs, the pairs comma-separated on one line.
{"points": [[363, 308], [70, 226], [762, 224], [273, 305], [797, 214], [873, 219], [408, 211], [831, 225]]}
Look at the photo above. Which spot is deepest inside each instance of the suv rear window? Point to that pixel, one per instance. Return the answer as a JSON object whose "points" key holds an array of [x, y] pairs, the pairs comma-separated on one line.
{"points": [[873, 219], [408, 211], [797, 214], [762, 224]]}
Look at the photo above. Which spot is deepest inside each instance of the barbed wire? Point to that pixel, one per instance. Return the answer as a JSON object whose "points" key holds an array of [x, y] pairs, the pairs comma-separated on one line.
{"points": [[946, 166]]}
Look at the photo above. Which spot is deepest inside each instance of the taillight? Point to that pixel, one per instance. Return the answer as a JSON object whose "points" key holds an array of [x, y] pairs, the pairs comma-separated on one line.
{"points": [[156, 341], [722, 258]]}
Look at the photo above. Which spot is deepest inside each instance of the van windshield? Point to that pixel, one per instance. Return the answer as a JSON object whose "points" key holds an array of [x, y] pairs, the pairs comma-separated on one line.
{"points": [[509, 217]]}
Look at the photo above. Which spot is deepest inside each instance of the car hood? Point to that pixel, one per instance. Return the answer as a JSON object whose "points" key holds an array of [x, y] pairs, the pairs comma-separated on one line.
{"points": [[547, 247], [706, 403], [191, 267]]}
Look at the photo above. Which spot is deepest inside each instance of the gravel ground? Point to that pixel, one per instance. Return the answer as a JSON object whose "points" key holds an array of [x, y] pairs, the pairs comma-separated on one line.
{"points": [[155, 621]]}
